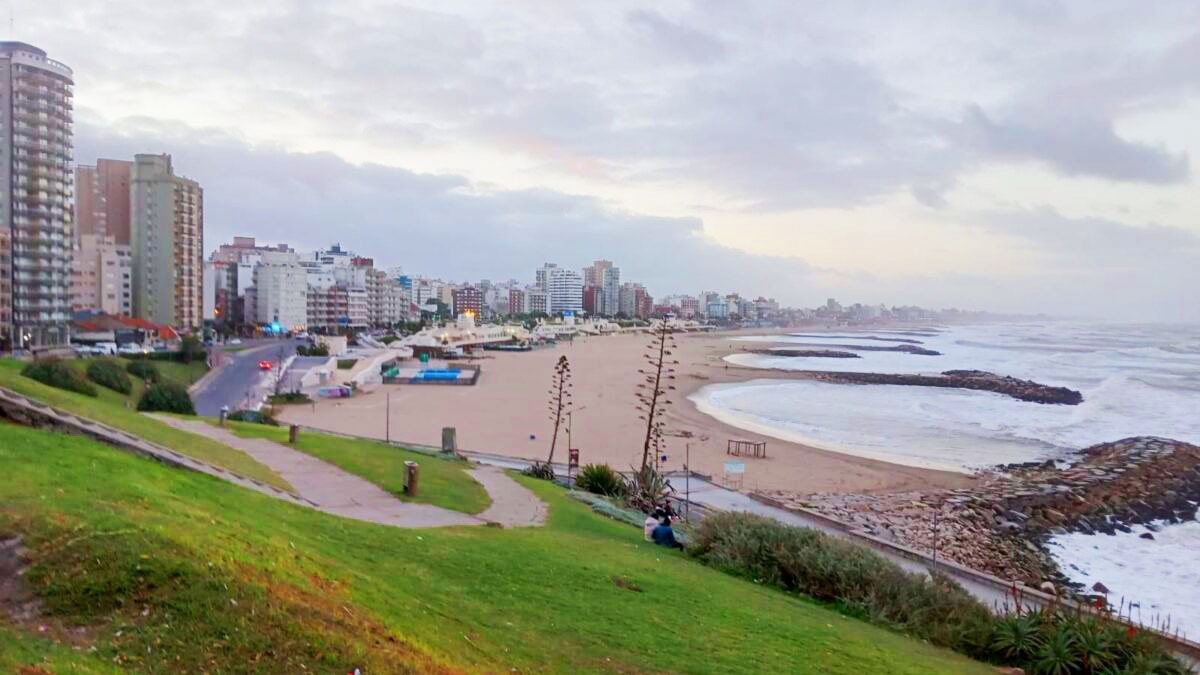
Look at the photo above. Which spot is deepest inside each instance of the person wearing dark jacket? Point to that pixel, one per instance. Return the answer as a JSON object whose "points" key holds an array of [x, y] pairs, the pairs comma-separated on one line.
{"points": [[664, 535]]}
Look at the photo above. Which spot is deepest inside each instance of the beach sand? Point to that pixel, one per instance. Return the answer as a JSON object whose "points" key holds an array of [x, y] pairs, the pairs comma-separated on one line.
{"points": [[506, 413]]}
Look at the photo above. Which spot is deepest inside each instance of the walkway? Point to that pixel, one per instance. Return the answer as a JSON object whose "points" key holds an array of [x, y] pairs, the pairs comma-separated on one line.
{"points": [[333, 490]]}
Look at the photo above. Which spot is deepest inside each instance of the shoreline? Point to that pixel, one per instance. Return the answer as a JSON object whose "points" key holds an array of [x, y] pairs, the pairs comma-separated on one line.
{"points": [[501, 413]]}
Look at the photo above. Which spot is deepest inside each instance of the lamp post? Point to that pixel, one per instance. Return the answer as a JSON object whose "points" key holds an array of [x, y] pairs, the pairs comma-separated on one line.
{"points": [[387, 416]]}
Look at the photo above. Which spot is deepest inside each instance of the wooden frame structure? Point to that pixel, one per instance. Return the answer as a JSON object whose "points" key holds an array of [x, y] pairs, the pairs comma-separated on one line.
{"points": [[755, 449]]}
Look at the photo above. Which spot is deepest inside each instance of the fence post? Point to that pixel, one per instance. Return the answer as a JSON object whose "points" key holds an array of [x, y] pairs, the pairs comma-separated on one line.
{"points": [[449, 439], [293, 434]]}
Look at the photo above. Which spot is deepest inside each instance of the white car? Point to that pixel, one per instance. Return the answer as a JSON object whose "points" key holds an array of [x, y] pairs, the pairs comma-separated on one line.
{"points": [[84, 351], [132, 348], [105, 348], [234, 341]]}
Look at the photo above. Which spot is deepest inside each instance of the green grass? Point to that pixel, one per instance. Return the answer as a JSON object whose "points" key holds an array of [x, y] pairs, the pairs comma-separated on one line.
{"points": [[179, 572], [444, 482], [118, 411]]}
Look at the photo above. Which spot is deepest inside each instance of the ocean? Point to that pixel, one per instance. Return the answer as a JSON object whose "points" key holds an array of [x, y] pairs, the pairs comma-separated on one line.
{"points": [[1136, 380]]}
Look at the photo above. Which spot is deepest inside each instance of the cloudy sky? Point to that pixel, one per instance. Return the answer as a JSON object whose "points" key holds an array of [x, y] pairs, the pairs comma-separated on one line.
{"points": [[1014, 155]]}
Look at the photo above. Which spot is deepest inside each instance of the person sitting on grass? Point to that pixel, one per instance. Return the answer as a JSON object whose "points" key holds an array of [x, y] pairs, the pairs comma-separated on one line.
{"points": [[664, 535], [652, 521]]}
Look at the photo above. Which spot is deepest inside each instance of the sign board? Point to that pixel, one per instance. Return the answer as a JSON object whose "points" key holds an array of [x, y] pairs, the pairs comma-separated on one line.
{"points": [[573, 457], [733, 468]]}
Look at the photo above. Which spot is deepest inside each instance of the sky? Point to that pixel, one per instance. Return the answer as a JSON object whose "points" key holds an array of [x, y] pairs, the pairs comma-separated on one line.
{"points": [[1011, 155]]}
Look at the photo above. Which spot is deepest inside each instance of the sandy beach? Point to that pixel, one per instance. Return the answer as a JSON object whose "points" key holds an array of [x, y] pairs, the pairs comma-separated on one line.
{"points": [[505, 413]]}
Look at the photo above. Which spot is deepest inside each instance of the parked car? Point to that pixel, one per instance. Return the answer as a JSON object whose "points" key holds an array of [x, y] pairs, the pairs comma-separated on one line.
{"points": [[265, 365], [234, 341], [131, 349], [84, 351], [105, 348]]}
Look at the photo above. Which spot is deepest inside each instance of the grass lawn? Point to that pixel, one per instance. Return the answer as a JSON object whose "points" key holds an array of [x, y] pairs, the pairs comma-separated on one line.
{"points": [[116, 410], [178, 572], [444, 482]]}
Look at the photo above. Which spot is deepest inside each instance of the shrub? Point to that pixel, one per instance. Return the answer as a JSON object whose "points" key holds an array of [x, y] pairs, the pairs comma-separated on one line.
{"points": [[59, 375], [807, 561], [600, 479], [865, 584], [289, 397], [191, 349], [254, 417], [167, 397], [108, 373], [144, 370], [647, 489], [314, 350], [346, 364], [541, 470]]}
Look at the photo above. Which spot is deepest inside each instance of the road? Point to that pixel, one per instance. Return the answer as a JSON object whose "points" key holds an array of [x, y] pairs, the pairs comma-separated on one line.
{"points": [[240, 383]]}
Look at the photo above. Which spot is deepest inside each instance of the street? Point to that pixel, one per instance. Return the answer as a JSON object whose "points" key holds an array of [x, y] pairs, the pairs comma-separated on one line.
{"points": [[239, 383]]}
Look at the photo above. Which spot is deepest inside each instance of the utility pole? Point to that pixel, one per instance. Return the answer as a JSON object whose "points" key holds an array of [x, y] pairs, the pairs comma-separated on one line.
{"points": [[687, 482], [387, 434]]}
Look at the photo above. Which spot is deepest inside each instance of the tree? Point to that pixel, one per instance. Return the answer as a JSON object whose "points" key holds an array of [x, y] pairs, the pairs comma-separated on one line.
{"points": [[651, 393], [560, 399]]}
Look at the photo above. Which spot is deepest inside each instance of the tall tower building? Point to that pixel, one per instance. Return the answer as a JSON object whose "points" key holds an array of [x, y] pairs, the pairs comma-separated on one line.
{"points": [[35, 173], [102, 200], [167, 241]]}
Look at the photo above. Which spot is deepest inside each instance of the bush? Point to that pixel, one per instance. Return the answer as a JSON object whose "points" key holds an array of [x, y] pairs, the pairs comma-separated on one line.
{"points": [[254, 417], [289, 397], [647, 490], [346, 364], [315, 350], [541, 470], [167, 397], [191, 349], [144, 370], [865, 584], [108, 373], [600, 479], [59, 375]]}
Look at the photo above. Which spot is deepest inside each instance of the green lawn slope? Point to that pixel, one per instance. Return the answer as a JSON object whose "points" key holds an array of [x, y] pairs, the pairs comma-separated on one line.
{"points": [[444, 482], [118, 411], [170, 571]]}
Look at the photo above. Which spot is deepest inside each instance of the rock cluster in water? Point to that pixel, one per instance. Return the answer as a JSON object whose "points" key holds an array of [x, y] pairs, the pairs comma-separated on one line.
{"points": [[809, 353], [1001, 525], [1024, 390]]}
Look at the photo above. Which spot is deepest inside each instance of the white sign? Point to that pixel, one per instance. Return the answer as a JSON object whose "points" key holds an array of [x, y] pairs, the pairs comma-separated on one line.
{"points": [[735, 467]]}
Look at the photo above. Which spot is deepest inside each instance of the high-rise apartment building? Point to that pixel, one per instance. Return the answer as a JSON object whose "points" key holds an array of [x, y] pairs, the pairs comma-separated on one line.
{"points": [[5, 282], [102, 276], [102, 199], [467, 299], [36, 114], [167, 239], [603, 275], [281, 291], [565, 288]]}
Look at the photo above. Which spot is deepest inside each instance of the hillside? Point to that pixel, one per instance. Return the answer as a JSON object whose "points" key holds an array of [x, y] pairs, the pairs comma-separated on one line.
{"points": [[150, 569]]}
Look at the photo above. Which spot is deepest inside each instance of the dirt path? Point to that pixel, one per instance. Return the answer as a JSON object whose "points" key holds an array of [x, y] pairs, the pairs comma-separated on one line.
{"points": [[339, 492]]}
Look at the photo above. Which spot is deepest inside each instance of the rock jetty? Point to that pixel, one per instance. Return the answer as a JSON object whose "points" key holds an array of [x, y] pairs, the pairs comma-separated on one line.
{"points": [[1024, 390], [906, 349], [1001, 525], [809, 353]]}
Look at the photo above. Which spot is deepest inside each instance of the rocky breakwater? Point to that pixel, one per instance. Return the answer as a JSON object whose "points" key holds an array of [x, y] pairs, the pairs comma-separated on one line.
{"points": [[807, 353], [1001, 525], [905, 349], [1024, 390]]}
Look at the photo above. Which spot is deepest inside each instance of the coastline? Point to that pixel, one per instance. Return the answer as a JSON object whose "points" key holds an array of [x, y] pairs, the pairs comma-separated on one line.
{"points": [[507, 406]]}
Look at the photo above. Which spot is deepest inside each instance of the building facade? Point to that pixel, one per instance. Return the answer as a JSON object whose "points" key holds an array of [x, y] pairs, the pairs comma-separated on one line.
{"points": [[167, 240], [102, 276], [281, 285], [467, 300], [38, 214], [102, 199], [565, 288]]}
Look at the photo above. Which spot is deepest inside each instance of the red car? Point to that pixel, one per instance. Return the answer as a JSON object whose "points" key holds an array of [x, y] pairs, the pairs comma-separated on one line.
{"points": [[265, 365]]}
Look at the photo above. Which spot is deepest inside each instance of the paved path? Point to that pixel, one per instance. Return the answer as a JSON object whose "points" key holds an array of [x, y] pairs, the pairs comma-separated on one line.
{"points": [[339, 492], [513, 505]]}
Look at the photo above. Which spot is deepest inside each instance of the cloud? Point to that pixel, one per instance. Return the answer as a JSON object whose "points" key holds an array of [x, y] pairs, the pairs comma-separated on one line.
{"points": [[1075, 145], [440, 225], [691, 44]]}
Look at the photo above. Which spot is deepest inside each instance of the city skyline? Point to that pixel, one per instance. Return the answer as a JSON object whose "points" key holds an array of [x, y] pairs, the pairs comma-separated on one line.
{"points": [[885, 171]]}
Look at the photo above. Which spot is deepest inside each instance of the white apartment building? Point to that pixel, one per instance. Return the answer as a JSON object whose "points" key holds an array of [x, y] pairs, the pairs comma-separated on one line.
{"points": [[565, 288], [102, 276], [281, 289]]}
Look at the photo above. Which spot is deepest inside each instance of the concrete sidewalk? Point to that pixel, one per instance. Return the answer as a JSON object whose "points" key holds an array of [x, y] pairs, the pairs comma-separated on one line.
{"points": [[333, 490]]}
